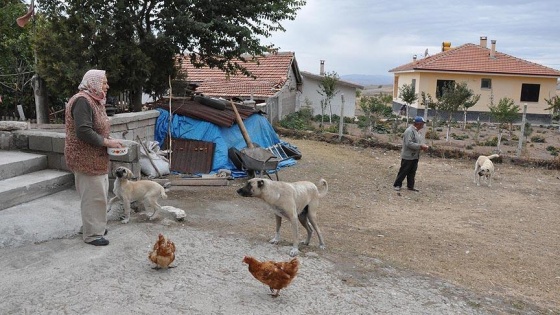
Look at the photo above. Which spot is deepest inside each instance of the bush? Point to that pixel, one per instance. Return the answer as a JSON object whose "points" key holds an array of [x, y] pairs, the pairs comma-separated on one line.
{"points": [[300, 120], [430, 134], [553, 150], [459, 137], [538, 139], [490, 142], [381, 129], [362, 121], [348, 120], [334, 129], [317, 118]]}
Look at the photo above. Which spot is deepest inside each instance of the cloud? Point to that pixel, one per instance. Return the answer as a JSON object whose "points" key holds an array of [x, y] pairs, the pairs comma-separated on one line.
{"points": [[365, 37]]}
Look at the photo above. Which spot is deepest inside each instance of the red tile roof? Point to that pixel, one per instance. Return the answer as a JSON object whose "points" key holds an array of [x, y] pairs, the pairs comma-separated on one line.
{"points": [[271, 74], [475, 58]]}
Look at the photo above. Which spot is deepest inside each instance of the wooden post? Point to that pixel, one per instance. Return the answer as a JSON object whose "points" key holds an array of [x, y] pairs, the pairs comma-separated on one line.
{"points": [[242, 126], [341, 122], [169, 149], [522, 136]]}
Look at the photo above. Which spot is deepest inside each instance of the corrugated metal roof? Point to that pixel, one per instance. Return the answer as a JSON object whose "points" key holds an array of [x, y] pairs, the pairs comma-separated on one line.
{"points": [[475, 58], [190, 108]]}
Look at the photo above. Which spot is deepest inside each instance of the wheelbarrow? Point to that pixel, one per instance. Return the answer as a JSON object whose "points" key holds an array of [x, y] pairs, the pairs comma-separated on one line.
{"points": [[255, 159], [259, 160]]}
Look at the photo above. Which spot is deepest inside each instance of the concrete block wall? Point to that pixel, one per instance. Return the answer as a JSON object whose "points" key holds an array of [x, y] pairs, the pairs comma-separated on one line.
{"points": [[51, 141], [130, 125]]}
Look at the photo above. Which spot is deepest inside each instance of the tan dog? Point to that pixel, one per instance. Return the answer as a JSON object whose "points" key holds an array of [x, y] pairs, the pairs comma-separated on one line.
{"points": [[290, 201], [484, 168], [146, 191]]}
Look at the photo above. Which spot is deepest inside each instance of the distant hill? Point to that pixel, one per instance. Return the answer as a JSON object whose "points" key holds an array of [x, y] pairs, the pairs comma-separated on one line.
{"points": [[367, 79]]}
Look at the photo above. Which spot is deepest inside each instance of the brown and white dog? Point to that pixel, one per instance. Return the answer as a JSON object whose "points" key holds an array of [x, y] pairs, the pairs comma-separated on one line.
{"points": [[484, 168], [147, 191], [290, 201]]}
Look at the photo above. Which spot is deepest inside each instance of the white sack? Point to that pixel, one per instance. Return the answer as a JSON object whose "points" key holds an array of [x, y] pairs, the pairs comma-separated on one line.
{"points": [[154, 152]]}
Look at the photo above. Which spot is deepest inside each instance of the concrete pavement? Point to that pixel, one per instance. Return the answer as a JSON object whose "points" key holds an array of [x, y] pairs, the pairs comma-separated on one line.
{"points": [[50, 217]]}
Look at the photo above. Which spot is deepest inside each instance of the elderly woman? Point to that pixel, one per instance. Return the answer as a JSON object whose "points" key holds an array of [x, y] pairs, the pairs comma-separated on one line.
{"points": [[87, 137]]}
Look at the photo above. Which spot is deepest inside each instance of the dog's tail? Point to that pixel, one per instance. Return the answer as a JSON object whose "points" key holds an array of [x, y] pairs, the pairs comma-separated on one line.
{"points": [[493, 156], [163, 194], [323, 187]]}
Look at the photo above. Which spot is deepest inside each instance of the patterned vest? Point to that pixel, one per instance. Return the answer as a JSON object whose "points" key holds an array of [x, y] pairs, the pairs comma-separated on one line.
{"points": [[81, 156]]}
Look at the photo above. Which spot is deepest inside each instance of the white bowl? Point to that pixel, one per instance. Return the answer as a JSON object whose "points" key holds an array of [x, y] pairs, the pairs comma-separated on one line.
{"points": [[117, 151]]}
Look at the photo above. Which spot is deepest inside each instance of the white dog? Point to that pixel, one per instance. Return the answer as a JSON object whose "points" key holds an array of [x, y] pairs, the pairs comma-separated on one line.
{"points": [[146, 191], [291, 201], [484, 168]]}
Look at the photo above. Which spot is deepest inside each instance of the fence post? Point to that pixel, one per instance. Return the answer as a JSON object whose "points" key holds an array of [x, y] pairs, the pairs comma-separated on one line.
{"points": [[341, 122], [522, 136]]}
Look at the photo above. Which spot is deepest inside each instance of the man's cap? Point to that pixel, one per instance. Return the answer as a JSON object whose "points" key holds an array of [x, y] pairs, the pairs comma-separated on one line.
{"points": [[419, 119]]}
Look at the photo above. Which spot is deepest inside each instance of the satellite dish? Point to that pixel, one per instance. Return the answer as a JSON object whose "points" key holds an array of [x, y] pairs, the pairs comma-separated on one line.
{"points": [[426, 53]]}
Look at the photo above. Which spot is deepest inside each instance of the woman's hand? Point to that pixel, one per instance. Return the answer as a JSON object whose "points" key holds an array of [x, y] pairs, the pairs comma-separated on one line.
{"points": [[112, 143]]}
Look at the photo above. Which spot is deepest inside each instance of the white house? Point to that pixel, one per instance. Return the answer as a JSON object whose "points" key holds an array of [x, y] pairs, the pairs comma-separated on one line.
{"points": [[310, 96]]}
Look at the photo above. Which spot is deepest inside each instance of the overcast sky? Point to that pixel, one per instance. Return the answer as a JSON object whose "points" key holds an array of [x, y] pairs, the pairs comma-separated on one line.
{"points": [[374, 36]]}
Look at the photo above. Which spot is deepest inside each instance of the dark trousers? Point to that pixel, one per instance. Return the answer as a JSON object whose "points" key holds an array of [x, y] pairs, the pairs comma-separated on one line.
{"points": [[408, 171]]}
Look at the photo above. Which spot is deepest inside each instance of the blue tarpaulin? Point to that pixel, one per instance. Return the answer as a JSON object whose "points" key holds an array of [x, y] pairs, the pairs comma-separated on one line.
{"points": [[183, 127]]}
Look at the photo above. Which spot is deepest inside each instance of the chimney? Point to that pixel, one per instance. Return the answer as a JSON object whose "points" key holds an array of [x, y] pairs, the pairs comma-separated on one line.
{"points": [[483, 41], [322, 69], [493, 50], [414, 58]]}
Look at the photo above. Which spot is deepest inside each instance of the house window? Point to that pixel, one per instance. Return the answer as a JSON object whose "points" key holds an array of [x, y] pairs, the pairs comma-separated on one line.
{"points": [[413, 86], [441, 84], [486, 84], [530, 92]]}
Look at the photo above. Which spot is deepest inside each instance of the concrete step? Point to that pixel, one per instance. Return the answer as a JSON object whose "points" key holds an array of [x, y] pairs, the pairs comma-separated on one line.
{"points": [[30, 186], [16, 163]]}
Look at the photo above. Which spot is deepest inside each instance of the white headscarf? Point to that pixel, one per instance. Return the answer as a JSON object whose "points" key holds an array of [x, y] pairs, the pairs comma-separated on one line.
{"points": [[92, 84]]}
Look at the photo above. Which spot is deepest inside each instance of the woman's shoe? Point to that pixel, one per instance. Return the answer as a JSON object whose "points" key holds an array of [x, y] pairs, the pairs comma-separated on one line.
{"points": [[99, 242]]}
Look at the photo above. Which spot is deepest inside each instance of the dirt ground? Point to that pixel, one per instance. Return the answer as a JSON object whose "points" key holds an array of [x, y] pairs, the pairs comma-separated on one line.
{"points": [[501, 242], [452, 248]]}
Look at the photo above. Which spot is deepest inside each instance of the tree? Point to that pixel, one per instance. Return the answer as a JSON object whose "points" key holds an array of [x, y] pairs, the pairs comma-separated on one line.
{"points": [[427, 102], [408, 95], [327, 89], [16, 60], [375, 107], [470, 102], [504, 113], [454, 96], [554, 108], [137, 41]]}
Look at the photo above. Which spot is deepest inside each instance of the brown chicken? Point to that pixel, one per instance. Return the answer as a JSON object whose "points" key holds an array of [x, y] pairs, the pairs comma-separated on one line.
{"points": [[163, 253], [276, 275]]}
